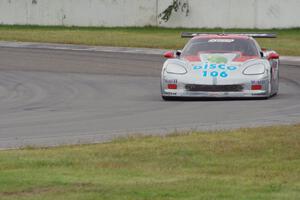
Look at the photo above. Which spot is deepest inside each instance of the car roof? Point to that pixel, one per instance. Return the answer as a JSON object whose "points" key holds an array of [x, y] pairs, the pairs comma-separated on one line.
{"points": [[221, 36]]}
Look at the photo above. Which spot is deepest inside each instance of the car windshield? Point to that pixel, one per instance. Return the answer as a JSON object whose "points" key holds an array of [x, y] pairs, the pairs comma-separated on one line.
{"points": [[216, 45]]}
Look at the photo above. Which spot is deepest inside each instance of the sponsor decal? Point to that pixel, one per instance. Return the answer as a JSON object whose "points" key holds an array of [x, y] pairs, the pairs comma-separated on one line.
{"points": [[217, 59], [171, 81], [221, 40], [258, 82], [171, 93], [215, 69]]}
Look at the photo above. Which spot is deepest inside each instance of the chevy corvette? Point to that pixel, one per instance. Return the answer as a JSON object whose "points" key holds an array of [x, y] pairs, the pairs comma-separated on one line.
{"points": [[221, 65]]}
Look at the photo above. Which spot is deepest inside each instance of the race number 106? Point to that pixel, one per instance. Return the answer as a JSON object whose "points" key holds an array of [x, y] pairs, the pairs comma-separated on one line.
{"points": [[222, 74]]}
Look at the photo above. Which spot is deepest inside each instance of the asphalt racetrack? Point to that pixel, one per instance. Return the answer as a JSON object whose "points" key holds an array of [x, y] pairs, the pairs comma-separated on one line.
{"points": [[52, 97]]}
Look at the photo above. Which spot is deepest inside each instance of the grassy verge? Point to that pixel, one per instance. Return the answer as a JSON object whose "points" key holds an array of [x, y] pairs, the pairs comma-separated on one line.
{"points": [[287, 43], [260, 163]]}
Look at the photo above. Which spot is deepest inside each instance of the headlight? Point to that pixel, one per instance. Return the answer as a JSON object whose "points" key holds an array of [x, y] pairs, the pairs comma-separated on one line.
{"points": [[254, 69], [175, 69]]}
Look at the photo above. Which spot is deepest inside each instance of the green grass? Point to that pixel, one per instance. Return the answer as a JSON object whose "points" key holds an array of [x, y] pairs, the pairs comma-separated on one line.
{"points": [[287, 43], [259, 163]]}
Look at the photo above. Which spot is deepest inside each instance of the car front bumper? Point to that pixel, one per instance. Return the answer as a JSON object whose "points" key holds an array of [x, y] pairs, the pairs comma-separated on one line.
{"points": [[238, 90]]}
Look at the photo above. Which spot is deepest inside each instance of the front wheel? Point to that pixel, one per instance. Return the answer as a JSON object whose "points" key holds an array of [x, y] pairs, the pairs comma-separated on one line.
{"points": [[270, 89]]}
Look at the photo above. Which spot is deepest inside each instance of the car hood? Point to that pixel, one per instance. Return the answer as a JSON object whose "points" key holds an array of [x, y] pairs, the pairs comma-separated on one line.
{"points": [[218, 68], [219, 57]]}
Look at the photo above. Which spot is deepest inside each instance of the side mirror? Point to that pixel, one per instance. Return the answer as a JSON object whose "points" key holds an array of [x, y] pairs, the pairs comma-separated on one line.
{"points": [[262, 54], [273, 55], [178, 53], [169, 54]]}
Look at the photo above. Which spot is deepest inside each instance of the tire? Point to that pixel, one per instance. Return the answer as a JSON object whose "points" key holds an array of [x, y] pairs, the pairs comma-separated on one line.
{"points": [[270, 86], [277, 85]]}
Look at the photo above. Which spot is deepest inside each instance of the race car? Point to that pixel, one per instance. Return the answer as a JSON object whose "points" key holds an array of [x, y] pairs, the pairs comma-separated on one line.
{"points": [[221, 65]]}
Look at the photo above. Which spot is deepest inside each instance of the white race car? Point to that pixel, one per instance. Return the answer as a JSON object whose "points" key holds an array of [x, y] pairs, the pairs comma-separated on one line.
{"points": [[221, 65]]}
